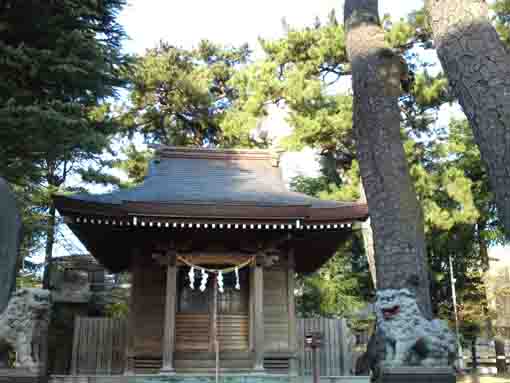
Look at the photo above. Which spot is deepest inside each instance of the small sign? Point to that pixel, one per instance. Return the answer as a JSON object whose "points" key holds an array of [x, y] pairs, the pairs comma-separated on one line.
{"points": [[313, 339]]}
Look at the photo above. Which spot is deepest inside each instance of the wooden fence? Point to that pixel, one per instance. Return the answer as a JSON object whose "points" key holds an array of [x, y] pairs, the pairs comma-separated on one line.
{"points": [[485, 352], [99, 346], [336, 353]]}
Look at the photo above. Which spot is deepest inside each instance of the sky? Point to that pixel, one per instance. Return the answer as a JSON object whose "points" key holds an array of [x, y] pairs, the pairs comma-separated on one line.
{"points": [[229, 22]]}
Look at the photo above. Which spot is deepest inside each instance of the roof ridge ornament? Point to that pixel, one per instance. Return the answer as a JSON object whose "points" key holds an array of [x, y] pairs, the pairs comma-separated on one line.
{"points": [[164, 151]]}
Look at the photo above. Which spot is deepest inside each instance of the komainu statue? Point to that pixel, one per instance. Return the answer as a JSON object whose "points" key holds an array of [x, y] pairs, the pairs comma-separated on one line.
{"points": [[21, 324], [405, 337]]}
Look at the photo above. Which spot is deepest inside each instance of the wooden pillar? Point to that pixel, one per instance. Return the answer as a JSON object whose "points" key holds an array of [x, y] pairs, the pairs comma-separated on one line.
{"points": [[129, 368], [170, 309], [293, 347], [252, 310], [258, 323]]}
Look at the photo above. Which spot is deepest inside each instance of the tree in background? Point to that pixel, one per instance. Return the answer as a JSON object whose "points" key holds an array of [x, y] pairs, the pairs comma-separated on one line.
{"points": [[299, 72], [477, 65], [501, 10], [59, 63], [340, 288], [135, 165], [460, 219], [343, 286], [180, 97]]}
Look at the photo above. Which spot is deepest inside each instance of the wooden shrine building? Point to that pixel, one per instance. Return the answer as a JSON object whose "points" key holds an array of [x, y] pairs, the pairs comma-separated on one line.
{"points": [[218, 210]]}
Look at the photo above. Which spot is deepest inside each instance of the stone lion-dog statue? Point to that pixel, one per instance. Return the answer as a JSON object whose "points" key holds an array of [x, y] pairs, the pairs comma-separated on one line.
{"points": [[21, 323], [407, 337]]}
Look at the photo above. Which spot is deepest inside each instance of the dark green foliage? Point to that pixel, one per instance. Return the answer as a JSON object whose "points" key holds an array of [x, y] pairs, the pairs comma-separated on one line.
{"points": [[135, 166], [179, 96], [338, 289], [300, 70], [60, 61], [343, 285]]}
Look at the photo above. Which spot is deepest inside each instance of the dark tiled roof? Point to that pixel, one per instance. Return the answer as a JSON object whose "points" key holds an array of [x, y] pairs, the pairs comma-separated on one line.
{"points": [[243, 188], [186, 177]]}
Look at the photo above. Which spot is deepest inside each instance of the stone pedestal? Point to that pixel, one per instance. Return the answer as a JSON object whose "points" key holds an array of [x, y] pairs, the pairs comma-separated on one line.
{"points": [[417, 375]]}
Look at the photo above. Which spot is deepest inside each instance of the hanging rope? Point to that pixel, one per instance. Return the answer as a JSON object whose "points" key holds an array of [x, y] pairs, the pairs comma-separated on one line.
{"points": [[217, 271]]}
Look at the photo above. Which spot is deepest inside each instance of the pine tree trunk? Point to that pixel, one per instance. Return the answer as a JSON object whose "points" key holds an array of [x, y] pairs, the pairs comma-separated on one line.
{"points": [[396, 216], [50, 241], [478, 70]]}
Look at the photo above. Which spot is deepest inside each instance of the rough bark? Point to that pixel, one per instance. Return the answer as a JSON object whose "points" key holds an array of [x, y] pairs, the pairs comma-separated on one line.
{"points": [[396, 216], [478, 70]]}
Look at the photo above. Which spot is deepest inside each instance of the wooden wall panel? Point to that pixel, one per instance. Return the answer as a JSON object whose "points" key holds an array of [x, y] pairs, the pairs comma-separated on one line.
{"points": [[276, 310], [192, 332], [149, 307], [233, 332]]}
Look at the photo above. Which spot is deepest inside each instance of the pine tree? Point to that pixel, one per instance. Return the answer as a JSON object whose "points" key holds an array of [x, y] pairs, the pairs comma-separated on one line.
{"points": [[179, 96], [60, 62]]}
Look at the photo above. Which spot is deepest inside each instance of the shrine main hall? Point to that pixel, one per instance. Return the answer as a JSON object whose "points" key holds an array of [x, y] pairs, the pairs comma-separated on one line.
{"points": [[213, 240]]}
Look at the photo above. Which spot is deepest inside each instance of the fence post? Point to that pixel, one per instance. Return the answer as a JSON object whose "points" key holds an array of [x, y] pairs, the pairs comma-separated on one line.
{"points": [[76, 339], [500, 355], [474, 357], [315, 359]]}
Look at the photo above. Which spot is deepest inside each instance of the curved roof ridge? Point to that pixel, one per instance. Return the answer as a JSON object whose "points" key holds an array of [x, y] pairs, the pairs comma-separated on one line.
{"points": [[164, 151]]}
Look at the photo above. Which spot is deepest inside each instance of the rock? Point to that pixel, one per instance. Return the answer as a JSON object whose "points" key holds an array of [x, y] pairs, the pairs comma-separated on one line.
{"points": [[407, 337], [10, 237]]}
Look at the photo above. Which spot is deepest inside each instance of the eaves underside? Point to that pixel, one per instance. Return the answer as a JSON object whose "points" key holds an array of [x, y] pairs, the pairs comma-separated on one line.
{"points": [[214, 211]]}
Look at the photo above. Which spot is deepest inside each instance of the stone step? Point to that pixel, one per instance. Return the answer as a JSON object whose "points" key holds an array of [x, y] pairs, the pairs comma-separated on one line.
{"points": [[205, 378], [21, 376]]}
